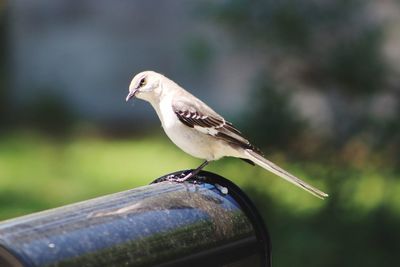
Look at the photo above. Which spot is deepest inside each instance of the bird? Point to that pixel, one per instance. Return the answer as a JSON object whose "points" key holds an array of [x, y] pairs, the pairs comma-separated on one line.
{"points": [[199, 130]]}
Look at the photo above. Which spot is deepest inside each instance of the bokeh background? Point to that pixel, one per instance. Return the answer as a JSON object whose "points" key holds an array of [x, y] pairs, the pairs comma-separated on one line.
{"points": [[315, 84]]}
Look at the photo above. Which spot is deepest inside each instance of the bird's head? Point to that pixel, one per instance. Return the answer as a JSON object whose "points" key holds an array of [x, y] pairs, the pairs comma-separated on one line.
{"points": [[145, 85]]}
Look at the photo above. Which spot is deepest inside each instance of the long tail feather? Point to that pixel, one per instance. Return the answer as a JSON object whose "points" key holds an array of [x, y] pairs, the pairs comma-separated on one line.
{"points": [[268, 165]]}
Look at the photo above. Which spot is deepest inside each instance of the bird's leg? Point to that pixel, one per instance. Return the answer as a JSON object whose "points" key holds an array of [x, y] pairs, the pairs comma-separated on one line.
{"points": [[192, 173]]}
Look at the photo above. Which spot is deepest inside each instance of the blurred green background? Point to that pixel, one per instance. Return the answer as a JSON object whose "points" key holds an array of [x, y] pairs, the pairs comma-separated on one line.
{"points": [[315, 84]]}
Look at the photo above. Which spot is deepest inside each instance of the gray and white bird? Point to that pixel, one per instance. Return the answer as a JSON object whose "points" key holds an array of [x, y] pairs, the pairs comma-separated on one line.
{"points": [[198, 130]]}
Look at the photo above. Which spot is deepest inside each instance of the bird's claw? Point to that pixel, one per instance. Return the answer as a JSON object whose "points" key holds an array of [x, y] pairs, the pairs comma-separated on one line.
{"points": [[171, 178], [184, 178], [178, 178]]}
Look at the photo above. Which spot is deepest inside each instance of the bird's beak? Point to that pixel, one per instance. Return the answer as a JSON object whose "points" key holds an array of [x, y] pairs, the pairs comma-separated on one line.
{"points": [[131, 94]]}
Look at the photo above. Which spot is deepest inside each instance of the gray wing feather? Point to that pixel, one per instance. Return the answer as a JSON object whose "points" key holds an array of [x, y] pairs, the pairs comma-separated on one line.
{"points": [[198, 115]]}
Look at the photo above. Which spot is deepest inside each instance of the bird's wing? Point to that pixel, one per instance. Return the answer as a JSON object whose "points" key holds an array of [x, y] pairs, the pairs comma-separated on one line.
{"points": [[197, 115]]}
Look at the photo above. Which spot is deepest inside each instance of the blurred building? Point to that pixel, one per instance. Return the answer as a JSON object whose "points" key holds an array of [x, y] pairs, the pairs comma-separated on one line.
{"points": [[86, 53]]}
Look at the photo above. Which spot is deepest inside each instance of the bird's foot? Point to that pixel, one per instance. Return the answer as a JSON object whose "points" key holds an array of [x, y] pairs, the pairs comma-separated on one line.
{"points": [[184, 178], [171, 178]]}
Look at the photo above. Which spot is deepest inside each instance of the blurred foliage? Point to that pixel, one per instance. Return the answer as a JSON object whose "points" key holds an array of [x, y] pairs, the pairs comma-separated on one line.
{"points": [[3, 44], [50, 113], [356, 226], [356, 64], [335, 48], [335, 40], [272, 128], [199, 53], [331, 46]]}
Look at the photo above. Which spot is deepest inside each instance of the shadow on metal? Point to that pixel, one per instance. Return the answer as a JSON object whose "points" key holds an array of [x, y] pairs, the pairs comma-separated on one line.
{"points": [[207, 221]]}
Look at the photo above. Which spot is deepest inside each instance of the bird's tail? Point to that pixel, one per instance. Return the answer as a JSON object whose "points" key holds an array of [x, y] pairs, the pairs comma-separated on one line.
{"points": [[268, 165]]}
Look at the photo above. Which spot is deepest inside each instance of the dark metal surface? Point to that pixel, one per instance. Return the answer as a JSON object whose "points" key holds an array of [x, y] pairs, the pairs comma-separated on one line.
{"points": [[162, 224]]}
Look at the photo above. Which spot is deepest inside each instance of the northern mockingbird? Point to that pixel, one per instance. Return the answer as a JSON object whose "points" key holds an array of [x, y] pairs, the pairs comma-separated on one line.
{"points": [[199, 130]]}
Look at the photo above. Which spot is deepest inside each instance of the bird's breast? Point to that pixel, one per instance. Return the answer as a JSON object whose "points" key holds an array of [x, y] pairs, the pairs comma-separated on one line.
{"points": [[188, 139]]}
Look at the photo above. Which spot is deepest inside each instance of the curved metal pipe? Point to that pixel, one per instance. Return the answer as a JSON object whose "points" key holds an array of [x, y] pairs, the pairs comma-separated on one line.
{"points": [[208, 221]]}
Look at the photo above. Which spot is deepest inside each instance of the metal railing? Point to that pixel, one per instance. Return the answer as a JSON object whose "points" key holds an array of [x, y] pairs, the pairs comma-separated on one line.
{"points": [[206, 222]]}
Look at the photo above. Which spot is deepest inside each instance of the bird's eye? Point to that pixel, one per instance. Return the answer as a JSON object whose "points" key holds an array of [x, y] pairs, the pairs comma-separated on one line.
{"points": [[142, 82]]}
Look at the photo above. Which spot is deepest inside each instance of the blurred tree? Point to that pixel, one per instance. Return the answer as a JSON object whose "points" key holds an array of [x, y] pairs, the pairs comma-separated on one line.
{"points": [[50, 113], [3, 50], [198, 52], [335, 47], [331, 46], [277, 114]]}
